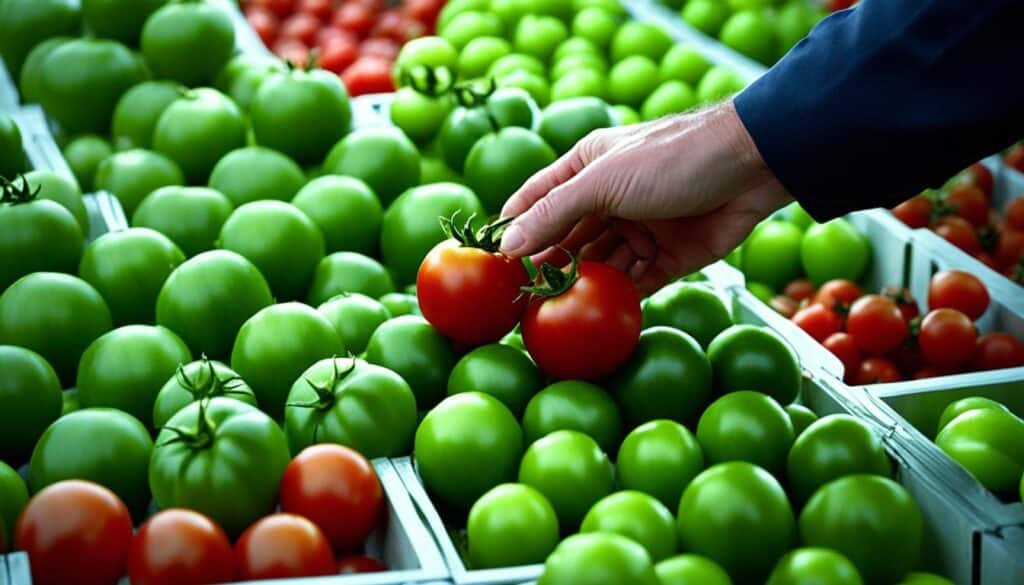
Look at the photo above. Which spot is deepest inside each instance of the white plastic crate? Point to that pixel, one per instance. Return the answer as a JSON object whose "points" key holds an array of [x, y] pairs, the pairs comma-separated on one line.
{"points": [[9, 99]]}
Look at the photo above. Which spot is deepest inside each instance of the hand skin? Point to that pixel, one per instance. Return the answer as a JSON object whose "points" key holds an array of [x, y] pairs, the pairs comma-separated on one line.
{"points": [[657, 200]]}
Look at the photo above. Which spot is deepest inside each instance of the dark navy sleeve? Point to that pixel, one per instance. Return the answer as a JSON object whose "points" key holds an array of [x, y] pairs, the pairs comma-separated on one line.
{"points": [[888, 98]]}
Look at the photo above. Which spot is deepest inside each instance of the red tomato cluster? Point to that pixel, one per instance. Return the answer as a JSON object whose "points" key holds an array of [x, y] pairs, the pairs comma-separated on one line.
{"points": [[883, 338], [357, 39], [331, 500], [1014, 158], [962, 214]]}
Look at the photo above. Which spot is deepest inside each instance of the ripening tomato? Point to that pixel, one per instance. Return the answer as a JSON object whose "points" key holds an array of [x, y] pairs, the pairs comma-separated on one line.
{"points": [[801, 289], [959, 232], [368, 74], [956, 289], [354, 17], [995, 351], [467, 290], [264, 23], [301, 27], [979, 176], [180, 547], [843, 346], [1010, 249], [1015, 213], [904, 299], [838, 294], [356, 564], [947, 339], [914, 212], [818, 321], [282, 546], [877, 370], [1015, 158], [876, 324], [585, 323], [970, 203]]}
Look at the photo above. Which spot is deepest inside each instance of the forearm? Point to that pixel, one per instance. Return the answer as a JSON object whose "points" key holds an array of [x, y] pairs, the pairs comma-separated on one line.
{"points": [[889, 98]]}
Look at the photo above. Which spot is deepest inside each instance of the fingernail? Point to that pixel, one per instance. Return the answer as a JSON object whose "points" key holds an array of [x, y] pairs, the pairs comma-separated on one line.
{"points": [[512, 239]]}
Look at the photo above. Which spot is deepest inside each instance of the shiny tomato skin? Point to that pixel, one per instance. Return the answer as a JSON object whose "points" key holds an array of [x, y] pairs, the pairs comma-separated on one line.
{"points": [[1010, 249], [75, 533], [904, 300], [995, 351], [843, 346], [979, 176], [970, 203], [818, 321], [337, 54], [369, 74], [947, 339], [801, 289], [355, 564], [838, 294], [282, 546], [877, 324], [471, 295], [956, 289], [180, 547], [337, 489], [914, 212], [876, 370], [588, 331], [1015, 213], [959, 232]]}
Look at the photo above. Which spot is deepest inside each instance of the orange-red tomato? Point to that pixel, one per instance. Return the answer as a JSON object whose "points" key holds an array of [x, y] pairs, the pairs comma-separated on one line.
{"points": [[283, 546], [180, 547]]}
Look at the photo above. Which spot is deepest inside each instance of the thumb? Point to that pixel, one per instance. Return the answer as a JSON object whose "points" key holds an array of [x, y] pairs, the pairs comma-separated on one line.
{"points": [[545, 222]]}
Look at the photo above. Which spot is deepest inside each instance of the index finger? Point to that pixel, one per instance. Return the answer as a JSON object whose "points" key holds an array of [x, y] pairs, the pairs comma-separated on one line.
{"points": [[542, 182]]}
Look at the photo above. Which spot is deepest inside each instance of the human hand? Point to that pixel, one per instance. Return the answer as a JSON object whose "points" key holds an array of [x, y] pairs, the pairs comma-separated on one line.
{"points": [[657, 200]]}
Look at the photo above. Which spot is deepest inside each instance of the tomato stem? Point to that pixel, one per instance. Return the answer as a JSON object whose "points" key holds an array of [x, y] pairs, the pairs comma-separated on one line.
{"points": [[552, 281], [487, 238], [432, 82], [325, 393], [196, 439], [212, 385], [15, 194], [469, 95]]}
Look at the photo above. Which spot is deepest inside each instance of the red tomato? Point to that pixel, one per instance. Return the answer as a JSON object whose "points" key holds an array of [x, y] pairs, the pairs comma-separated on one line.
{"points": [[904, 300], [337, 54], [300, 27], [425, 11], [589, 330], [970, 203], [1015, 157], [838, 294], [947, 339], [1010, 249], [1015, 213], [282, 546], [336, 488], [988, 260], [995, 351], [281, 8], [959, 232], [907, 357], [180, 547], [915, 212], [876, 324], [321, 9], [354, 17], [926, 373], [955, 289], [843, 346], [369, 75], [359, 564], [784, 306], [264, 23], [979, 176], [292, 51], [75, 533], [374, 6], [801, 289], [398, 26], [818, 321], [877, 370], [383, 48]]}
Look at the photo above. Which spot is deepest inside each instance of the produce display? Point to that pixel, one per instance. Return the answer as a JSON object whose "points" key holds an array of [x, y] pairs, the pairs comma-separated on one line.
{"points": [[307, 294]]}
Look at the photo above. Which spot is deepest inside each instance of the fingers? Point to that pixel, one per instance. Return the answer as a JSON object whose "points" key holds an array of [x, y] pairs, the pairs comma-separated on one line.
{"points": [[542, 182], [547, 220]]}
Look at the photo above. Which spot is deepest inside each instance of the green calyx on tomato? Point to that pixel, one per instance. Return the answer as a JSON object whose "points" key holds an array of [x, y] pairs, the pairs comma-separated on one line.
{"points": [[486, 238], [200, 380]]}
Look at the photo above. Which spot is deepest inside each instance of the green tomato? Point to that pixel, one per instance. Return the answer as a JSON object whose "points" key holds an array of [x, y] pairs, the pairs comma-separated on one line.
{"points": [[924, 579], [25, 24], [131, 175], [871, 520], [410, 228], [465, 446], [460, 131], [232, 448], [761, 291], [429, 51], [835, 249], [254, 173], [102, 445], [70, 402], [683, 63], [54, 315], [514, 62], [188, 42], [573, 405], [659, 458], [511, 525], [718, 83], [632, 79], [801, 417], [118, 19], [626, 115], [571, 63], [578, 46], [190, 216], [564, 123], [83, 155], [596, 25], [572, 471], [13, 497], [772, 253], [382, 157], [534, 84], [280, 240], [636, 516], [208, 298], [197, 130], [355, 317], [410, 347], [125, 368], [399, 304], [955, 409], [690, 569], [691, 308], [479, 54], [59, 189], [276, 345], [833, 447], [737, 515], [469, 25], [511, 106], [817, 566], [196, 381], [668, 376], [707, 16], [353, 403], [498, 164], [989, 443], [578, 83], [795, 21], [753, 34], [12, 153], [598, 559], [504, 372], [539, 36], [30, 81], [457, 7], [797, 216], [243, 76], [671, 97], [85, 101], [128, 268], [640, 38], [747, 357], [435, 170], [301, 114], [138, 110], [349, 272], [29, 401], [746, 426], [418, 115]]}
